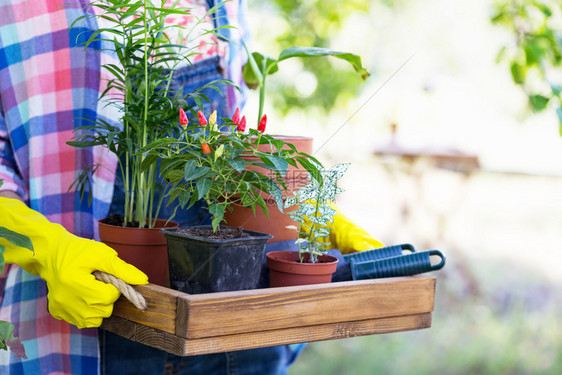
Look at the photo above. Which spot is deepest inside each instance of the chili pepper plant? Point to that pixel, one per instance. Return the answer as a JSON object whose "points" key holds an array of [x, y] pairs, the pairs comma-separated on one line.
{"points": [[139, 89], [223, 166]]}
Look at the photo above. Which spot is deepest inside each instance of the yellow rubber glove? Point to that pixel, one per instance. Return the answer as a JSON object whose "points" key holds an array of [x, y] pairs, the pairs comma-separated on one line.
{"points": [[348, 237], [66, 263]]}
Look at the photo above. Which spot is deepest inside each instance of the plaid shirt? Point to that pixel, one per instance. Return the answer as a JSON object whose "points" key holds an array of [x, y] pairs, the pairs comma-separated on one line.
{"points": [[48, 88]]}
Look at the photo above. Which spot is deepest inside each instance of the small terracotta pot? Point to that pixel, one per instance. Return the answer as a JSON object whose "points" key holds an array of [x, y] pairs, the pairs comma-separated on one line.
{"points": [[285, 269], [144, 248]]}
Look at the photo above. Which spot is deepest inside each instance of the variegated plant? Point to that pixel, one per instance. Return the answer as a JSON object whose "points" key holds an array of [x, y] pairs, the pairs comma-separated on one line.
{"points": [[314, 211]]}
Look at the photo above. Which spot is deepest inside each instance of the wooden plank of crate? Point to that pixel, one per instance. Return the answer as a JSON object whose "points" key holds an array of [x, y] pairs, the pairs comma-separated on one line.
{"points": [[161, 313], [216, 314], [390, 297], [184, 347]]}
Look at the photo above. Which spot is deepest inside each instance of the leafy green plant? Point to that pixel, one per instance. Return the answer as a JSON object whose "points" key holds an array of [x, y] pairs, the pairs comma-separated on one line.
{"points": [[140, 38], [535, 54], [260, 66], [7, 338], [226, 168], [314, 211]]}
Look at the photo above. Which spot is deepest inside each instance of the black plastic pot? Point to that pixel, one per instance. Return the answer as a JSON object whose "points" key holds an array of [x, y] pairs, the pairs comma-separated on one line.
{"points": [[199, 265]]}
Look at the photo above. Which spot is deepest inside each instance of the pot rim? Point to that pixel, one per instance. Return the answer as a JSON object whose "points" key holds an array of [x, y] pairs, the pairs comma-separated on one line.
{"points": [[172, 232], [170, 224], [270, 256]]}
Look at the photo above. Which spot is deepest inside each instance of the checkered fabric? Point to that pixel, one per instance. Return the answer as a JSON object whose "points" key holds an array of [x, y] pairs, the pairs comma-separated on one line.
{"points": [[48, 88]]}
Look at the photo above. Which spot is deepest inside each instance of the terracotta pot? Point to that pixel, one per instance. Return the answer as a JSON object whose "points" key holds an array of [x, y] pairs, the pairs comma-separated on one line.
{"points": [[145, 248], [285, 269], [277, 222], [302, 144]]}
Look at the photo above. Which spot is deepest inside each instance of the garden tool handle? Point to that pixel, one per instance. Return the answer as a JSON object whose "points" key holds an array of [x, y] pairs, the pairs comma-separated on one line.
{"points": [[402, 265], [125, 289], [439, 265]]}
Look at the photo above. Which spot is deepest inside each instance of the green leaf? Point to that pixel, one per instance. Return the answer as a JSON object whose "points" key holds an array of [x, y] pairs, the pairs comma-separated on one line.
{"points": [[538, 102], [277, 194], [189, 168], [238, 164], [311, 168], [518, 72], [217, 210], [199, 172], [16, 239], [337, 172], [351, 58], [290, 201], [215, 223], [203, 187], [148, 161], [263, 206], [6, 331], [247, 199], [279, 164], [192, 171], [252, 79], [174, 175]]}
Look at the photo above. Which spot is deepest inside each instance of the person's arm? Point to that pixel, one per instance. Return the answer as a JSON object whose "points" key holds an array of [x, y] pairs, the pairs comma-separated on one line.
{"points": [[66, 263]]}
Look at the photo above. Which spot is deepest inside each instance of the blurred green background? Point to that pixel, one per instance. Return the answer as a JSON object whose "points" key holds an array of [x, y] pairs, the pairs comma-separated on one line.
{"points": [[475, 78]]}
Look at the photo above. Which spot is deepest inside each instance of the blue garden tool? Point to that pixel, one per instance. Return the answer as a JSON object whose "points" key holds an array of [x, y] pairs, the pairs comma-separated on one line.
{"points": [[343, 273], [401, 265], [380, 253]]}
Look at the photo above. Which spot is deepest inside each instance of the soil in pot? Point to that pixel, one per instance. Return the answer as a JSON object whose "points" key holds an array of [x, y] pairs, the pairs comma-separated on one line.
{"points": [[223, 233], [285, 269], [207, 265], [145, 248]]}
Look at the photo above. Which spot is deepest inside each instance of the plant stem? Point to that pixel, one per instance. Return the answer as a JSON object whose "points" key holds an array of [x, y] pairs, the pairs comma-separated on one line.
{"points": [[311, 240], [262, 92], [127, 212], [143, 183]]}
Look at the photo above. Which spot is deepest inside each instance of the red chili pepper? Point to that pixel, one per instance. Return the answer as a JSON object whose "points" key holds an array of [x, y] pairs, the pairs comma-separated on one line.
{"points": [[242, 125], [202, 119], [236, 117], [261, 125], [206, 148], [183, 118]]}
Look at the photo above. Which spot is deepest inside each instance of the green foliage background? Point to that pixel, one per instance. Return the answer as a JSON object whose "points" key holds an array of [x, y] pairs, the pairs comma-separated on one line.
{"points": [[534, 55], [312, 24]]}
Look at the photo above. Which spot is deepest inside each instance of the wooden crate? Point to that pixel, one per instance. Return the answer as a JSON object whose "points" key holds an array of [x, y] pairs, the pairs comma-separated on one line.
{"points": [[185, 324]]}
